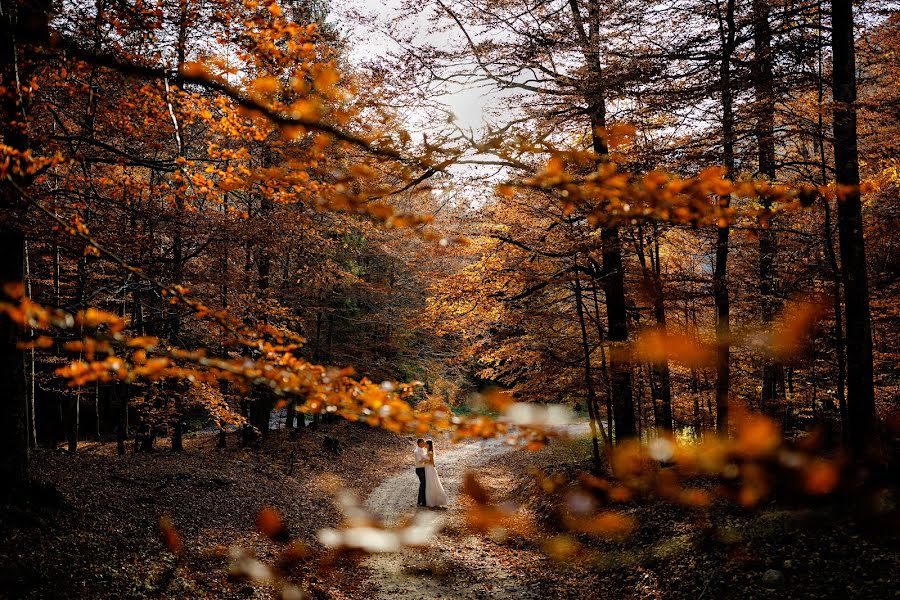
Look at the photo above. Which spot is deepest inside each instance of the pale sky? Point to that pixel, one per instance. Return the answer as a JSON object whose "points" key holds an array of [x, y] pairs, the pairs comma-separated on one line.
{"points": [[468, 105]]}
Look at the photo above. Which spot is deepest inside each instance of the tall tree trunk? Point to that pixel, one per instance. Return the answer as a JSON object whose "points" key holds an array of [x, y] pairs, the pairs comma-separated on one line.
{"points": [[603, 363], [661, 381], [74, 422], [589, 379], [97, 409], [247, 429], [32, 386], [22, 25], [620, 377], [860, 385], [720, 268], [587, 27], [264, 400], [174, 322], [828, 238], [122, 417], [13, 408], [291, 410], [764, 108], [613, 278]]}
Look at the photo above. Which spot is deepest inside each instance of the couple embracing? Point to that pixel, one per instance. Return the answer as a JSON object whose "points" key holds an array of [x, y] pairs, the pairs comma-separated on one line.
{"points": [[431, 492]]}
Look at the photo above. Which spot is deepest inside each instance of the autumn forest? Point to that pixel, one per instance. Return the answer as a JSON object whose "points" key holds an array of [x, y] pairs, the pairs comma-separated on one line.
{"points": [[631, 267]]}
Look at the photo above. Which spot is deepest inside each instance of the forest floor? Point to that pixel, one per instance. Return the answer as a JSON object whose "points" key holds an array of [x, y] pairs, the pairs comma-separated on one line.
{"points": [[98, 534]]}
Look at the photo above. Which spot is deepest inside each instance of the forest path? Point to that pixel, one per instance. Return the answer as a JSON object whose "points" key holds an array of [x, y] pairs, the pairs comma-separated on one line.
{"points": [[449, 567]]}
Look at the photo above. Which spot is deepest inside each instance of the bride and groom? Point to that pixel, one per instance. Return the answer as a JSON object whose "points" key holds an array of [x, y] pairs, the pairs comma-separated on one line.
{"points": [[431, 492]]}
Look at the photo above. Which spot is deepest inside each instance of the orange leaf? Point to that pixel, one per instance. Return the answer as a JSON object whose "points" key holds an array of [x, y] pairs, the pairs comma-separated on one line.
{"points": [[170, 535], [606, 524], [821, 477], [269, 522], [757, 435], [655, 346]]}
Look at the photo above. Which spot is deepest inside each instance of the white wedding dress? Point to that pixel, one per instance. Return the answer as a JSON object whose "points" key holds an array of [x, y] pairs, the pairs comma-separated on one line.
{"points": [[434, 491]]}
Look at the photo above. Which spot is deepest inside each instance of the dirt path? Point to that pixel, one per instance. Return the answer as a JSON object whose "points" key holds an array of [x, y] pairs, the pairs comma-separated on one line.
{"points": [[450, 567]]}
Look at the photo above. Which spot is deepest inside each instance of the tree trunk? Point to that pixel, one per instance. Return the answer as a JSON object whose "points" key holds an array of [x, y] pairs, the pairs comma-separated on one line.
{"points": [[22, 25], [74, 422], [860, 385], [604, 371], [765, 123], [613, 269], [247, 428], [828, 238], [616, 314], [291, 411], [720, 269], [264, 400], [177, 436], [589, 380], [122, 419], [620, 377], [661, 381], [13, 407], [97, 409], [30, 367]]}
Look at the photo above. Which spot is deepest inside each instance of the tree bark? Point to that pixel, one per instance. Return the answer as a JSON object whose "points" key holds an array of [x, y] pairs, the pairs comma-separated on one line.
{"points": [[32, 386], [587, 29], [860, 385], [764, 108], [603, 363], [178, 261], [589, 380], [264, 400], [839, 346], [828, 238], [13, 409], [617, 317], [661, 382], [613, 277], [291, 411], [720, 269], [122, 418], [22, 25]]}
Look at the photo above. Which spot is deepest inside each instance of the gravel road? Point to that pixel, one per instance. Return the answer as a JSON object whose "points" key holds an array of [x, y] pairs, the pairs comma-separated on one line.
{"points": [[448, 568]]}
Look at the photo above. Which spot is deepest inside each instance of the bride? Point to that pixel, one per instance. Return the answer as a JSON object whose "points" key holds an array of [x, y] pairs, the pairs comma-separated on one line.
{"points": [[434, 491]]}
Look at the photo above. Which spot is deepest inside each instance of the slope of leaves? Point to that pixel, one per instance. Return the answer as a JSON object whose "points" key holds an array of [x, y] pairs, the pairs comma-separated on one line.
{"points": [[678, 552], [100, 537]]}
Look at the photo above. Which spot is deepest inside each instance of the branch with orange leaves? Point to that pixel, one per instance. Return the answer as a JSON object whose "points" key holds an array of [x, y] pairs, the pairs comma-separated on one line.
{"points": [[109, 354], [195, 73], [608, 196]]}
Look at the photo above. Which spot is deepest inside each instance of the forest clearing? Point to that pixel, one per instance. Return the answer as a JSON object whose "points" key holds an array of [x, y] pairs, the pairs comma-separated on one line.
{"points": [[449, 299]]}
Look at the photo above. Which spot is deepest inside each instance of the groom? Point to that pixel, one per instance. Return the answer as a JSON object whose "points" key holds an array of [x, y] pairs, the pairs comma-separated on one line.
{"points": [[421, 458]]}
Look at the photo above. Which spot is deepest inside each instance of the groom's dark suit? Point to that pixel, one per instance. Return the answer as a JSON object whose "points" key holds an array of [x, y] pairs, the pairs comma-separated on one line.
{"points": [[420, 471]]}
